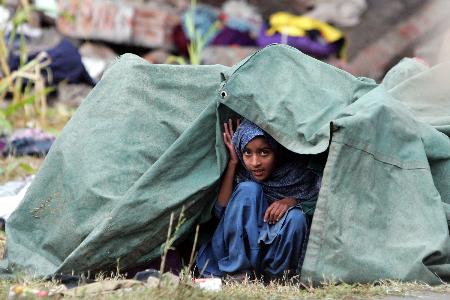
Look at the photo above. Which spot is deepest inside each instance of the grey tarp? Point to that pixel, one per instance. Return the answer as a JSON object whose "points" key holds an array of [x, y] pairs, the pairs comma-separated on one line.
{"points": [[147, 141]]}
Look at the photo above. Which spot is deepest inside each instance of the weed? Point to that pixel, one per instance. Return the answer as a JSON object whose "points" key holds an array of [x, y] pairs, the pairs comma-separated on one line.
{"points": [[197, 41]]}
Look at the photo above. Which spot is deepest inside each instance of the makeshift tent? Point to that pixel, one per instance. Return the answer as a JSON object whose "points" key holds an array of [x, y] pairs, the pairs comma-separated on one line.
{"points": [[147, 141]]}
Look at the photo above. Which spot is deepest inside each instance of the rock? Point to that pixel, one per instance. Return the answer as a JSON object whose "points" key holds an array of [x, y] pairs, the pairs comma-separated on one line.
{"points": [[72, 94], [227, 56], [152, 282], [170, 280], [157, 57]]}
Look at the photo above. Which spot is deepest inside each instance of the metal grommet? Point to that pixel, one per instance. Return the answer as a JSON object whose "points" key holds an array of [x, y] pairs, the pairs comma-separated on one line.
{"points": [[223, 94]]}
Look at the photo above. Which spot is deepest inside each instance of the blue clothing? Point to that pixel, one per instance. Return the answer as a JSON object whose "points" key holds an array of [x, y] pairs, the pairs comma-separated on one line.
{"points": [[244, 242]]}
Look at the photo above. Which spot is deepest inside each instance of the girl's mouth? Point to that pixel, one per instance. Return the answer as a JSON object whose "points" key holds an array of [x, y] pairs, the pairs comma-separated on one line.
{"points": [[258, 173]]}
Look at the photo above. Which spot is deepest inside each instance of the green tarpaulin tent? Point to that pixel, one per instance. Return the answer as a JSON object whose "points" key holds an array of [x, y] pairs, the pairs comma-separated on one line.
{"points": [[147, 141]]}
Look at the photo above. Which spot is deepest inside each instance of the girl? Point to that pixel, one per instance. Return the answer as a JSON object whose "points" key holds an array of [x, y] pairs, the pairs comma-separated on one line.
{"points": [[262, 226]]}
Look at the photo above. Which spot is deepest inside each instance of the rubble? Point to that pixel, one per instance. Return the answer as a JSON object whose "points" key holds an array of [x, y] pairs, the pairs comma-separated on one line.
{"points": [[122, 22]]}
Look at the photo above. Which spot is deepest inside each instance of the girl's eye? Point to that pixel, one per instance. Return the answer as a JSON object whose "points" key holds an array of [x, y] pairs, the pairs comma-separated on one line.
{"points": [[264, 152], [246, 153]]}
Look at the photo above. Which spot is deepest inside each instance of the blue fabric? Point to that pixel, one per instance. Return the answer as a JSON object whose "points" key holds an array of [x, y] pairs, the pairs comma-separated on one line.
{"points": [[291, 177], [65, 64], [243, 242]]}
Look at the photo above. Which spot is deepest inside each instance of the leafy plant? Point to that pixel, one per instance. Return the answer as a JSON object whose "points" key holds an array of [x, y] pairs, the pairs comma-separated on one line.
{"points": [[197, 41]]}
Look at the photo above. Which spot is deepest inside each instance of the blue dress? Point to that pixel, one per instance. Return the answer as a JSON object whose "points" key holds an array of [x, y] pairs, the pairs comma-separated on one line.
{"points": [[244, 242]]}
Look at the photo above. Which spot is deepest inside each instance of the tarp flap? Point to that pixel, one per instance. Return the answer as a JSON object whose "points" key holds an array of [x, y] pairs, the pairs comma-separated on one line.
{"points": [[118, 169], [379, 214], [292, 96], [427, 93]]}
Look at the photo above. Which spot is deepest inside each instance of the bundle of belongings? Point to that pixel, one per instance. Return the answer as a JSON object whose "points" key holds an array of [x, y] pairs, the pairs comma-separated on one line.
{"points": [[26, 141], [64, 64], [311, 36], [238, 23], [147, 142], [235, 24]]}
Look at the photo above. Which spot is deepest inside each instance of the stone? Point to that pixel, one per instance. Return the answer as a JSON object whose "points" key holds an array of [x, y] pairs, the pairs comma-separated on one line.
{"points": [[227, 56], [157, 57], [170, 280], [152, 282]]}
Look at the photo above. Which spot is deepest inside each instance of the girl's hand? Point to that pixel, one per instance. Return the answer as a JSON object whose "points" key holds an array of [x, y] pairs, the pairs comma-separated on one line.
{"points": [[277, 209], [227, 136]]}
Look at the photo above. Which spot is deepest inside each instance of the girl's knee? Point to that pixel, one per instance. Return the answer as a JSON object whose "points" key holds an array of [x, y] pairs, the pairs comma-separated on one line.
{"points": [[297, 220], [246, 193], [249, 187]]}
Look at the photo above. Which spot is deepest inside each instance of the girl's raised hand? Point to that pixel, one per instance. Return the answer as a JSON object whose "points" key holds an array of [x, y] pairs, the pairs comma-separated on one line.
{"points": [[227, 136]]}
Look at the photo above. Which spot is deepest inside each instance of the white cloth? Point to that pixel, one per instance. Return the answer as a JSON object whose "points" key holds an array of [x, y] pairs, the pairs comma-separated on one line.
{"points": [[11, 195]]}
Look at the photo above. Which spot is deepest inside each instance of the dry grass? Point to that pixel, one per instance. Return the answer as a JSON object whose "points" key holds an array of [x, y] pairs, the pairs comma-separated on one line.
{"points": [[249, 290], [14, 168], [257, 290]]}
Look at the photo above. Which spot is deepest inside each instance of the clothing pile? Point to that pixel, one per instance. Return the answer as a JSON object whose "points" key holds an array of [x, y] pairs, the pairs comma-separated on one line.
{"points": [[27, 141], [238, 23], [309, 35]]}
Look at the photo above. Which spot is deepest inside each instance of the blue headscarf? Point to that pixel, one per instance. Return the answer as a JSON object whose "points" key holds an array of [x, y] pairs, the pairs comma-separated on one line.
{"points": [[290, 178]]}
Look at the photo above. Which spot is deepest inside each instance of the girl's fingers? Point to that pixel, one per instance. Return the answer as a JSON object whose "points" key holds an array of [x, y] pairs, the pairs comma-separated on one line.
{"points": [[227, 131], [273, 214], [225, 127], [267, 214], [280, 214], [230, 127], [225, 140]]}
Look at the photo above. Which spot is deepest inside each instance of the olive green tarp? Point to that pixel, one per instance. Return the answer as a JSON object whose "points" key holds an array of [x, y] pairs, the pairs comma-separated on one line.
{"points": [[147, 142]]}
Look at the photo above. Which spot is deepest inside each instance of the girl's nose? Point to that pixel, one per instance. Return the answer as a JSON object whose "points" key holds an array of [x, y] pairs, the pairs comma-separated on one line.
{"points": [[255, 161]]}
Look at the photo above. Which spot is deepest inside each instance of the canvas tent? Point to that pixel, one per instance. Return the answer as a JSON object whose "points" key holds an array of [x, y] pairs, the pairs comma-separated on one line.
{"points": [[147, 141]]}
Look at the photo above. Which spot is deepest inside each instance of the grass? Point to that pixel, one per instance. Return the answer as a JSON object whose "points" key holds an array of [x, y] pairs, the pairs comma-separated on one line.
{"points": [[253, 290], [23, 95], [245, 290], [230, 290], [12, 168]]}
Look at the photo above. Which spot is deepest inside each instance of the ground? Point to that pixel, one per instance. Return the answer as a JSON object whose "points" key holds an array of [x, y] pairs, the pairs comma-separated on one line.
{"points": [[383, 290]]}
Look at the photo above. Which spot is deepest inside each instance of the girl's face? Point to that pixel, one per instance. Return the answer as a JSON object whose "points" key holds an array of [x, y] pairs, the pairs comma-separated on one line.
{"points": [[259, 158]]}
